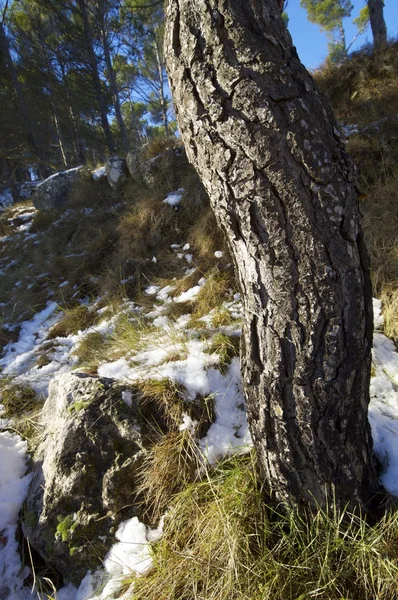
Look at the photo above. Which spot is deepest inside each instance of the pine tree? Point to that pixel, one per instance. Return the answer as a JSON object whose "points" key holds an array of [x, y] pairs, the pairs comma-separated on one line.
{"points": [[329, 15]]}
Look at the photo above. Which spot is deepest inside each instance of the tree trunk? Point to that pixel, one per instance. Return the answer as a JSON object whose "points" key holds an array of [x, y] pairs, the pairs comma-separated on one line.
{"points": [[95, 76], [377, 23], [267, 148], [163, 99], [115, 92], [23, 109]]}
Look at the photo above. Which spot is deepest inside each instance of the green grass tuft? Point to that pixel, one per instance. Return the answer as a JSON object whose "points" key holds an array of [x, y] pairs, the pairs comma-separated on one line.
{"points": [[221, 542]]}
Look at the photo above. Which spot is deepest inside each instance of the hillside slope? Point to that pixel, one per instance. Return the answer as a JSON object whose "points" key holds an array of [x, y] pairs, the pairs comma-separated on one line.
{"points": [[135, 285]]}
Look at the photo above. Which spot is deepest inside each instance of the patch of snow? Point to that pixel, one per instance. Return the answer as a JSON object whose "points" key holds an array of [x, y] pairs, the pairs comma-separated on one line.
{"points": [[13, 487], [19, 354], [152, 290], [118, 369], [127, 397], [99, 173], [187, 423], [174, 198], [189, 294], [377, 316], [162, 322], [229, 433], [164, 292]]}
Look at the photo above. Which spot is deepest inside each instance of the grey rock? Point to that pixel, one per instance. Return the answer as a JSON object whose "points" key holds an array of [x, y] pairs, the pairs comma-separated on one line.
{"points": [[133, 165], [55, 191], [116, 170], [86, 473]]}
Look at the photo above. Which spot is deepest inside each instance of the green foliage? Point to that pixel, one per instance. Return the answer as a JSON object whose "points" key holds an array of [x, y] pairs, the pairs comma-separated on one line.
{"points": [[329, 14], [362, 20]]}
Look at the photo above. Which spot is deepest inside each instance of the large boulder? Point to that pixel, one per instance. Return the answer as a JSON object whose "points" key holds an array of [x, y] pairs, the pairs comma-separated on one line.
{"points": [[95, 436], [54, 192], [116, 171]]}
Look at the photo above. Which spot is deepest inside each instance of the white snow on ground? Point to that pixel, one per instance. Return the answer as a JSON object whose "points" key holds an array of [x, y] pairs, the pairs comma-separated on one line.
{"points": [[19, 355], [174, 352], [383, 408], [229, 432], [130, 554], [99, 173], [174, 198], [13, 487]]}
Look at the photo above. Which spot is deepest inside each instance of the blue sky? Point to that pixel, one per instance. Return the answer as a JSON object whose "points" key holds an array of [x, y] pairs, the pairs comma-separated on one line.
{"points": [[311, 42]]}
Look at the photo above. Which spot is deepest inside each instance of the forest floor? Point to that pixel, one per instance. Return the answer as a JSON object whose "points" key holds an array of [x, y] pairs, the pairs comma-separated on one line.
{"points": [[140, 288]]}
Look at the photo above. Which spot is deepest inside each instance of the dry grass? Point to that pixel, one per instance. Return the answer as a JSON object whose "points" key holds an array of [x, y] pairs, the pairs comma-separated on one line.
{"points": [[90, 351], [205, 235], [43, 220], [168, 398], [21, 405], [168, 468], [159, 144], [214, 292], [364, 92], [363, 88], [87, 193], [226, 346], [73, 320], [221, 542]]}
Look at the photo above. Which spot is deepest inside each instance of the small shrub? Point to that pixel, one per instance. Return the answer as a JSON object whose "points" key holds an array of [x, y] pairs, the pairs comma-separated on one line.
{"points": [[221, 318], [168, 397], [87, 193], [22, 406], [158, 144]]}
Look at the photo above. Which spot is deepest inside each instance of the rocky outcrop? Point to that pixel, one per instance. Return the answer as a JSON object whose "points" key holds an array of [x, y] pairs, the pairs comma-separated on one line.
{"points": [[55, 191], [116, 170], [95, 437]]}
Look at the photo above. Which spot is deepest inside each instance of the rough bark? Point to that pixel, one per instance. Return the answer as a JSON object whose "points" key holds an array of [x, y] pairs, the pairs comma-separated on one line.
{"points": [[269, 152], [377, 23], [95, 76]]}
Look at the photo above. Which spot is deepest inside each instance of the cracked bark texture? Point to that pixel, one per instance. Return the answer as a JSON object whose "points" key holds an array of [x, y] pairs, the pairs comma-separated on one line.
{"points": [[268, 150]]}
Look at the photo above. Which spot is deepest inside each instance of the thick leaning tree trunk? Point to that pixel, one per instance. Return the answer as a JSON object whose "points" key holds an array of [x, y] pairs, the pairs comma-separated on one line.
{"points": [[266, 146], [377, 23]]}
